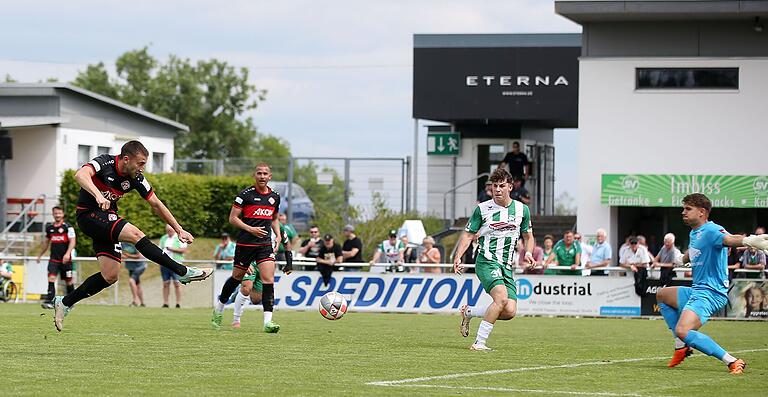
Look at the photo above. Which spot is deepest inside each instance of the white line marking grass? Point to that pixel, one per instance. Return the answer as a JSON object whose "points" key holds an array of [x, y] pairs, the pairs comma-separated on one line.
{"points": [[410, 381]]}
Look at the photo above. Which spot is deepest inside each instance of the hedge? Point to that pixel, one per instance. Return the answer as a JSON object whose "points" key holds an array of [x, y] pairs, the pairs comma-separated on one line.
{"points": [[200, 203]]}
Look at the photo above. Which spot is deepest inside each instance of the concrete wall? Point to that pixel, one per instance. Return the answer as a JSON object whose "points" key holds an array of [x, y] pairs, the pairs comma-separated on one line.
{"points": [[665, 131]]}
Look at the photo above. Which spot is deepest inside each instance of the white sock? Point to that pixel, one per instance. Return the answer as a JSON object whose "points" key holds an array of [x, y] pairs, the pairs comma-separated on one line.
{"points": [[483, 331], [728, 358], [240, 301], [477, 311], [679, 344], [219, 306], [267, 317]]}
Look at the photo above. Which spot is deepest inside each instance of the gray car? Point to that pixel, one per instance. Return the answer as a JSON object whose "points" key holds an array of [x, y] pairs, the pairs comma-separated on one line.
{"points": [[301, 205]]}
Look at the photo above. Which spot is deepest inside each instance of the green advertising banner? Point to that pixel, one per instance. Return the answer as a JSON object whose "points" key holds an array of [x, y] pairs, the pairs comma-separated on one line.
{"points": [[725, 191]]}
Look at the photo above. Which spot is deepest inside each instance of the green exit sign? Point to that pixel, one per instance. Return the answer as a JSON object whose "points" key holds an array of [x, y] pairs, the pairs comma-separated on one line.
{"points": [[443, 143]]}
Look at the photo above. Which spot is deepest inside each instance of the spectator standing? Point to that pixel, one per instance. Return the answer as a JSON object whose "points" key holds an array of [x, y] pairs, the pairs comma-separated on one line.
{"points": [[392, 250], [486, 194], [624, 247], [752, 259], [567, 253], [547, 251], [601, 256], [136, 265], [310, 247], [352, 250], [586, 248], [430, 255], [329, 256], [290, 233], [668, 258], [517, 162], [225, 251], [175, 248], [636, 259]]}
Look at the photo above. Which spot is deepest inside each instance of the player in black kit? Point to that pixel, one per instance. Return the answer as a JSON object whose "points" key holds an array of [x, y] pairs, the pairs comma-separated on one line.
{"points": [[60, 236], [254, 212], [103, 181]]}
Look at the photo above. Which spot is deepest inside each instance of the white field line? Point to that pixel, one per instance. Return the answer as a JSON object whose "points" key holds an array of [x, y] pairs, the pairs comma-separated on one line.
{"points": [[403, 382], [505, 389]]}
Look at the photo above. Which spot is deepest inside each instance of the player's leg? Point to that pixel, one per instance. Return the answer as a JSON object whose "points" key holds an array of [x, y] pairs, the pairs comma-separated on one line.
{"points": [[695, 314], [53, 271], [131, 234], [500, 301], [65, 270], [241, 298], [258, 288], [671, 300], [267, 275], [509, 310], [110, 269], [242, 259]]}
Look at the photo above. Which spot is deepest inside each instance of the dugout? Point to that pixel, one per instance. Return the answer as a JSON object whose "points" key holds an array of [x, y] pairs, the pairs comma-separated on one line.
{"points": [[477, 94], [671, 102]]}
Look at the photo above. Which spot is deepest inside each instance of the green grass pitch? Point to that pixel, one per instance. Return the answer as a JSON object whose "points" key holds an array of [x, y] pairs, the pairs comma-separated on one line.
{"points": [[150, 351]]}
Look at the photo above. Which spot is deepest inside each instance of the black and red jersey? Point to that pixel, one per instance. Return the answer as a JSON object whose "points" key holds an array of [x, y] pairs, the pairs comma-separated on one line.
{"points": [[258, 210], [111, 183], [59, 236]]}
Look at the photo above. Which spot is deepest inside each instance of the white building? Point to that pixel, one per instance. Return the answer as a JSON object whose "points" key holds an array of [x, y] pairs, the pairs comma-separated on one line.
{"points": [[672, 100], [55, 127]]}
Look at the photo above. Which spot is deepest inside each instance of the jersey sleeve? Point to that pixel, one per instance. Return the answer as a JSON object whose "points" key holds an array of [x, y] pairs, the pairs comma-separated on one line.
{"points": [[71, 232], [475, 221], [47, 231], [99, 163], [141, 184], [277, 207], [239, 200], [525, 225], [716, 236]]}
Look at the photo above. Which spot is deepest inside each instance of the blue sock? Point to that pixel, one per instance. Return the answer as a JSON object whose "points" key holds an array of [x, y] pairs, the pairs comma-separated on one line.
{"points": [[671, 316], [704, 344]]}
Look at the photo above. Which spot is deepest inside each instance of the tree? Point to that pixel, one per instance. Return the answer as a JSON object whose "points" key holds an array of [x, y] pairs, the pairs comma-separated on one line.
{"points": [[209, 96], [564, 204]]}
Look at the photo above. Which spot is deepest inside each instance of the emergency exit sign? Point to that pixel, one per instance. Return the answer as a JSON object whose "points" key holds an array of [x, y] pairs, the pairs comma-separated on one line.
{"points": [[443, 143]]}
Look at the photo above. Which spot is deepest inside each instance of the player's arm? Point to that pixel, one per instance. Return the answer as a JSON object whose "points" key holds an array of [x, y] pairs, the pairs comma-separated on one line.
{"points": [[759, 242], [165, 214], [464, 240], [44, 247], [529, 244], [234, 219], [276, 231], [84, 176], [72, 243]]}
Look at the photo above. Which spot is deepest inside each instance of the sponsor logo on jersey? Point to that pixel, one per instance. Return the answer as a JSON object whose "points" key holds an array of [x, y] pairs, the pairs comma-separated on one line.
{"points": [[110, 195], [502, 226], [125, 185], [259, 212], [58, 239]]}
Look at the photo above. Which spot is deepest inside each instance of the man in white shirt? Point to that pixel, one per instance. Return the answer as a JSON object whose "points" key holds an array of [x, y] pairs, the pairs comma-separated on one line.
{"points": [[636, 258]]}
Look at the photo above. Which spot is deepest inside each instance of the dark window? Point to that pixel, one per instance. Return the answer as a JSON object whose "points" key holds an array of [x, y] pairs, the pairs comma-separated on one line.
{"points": [[688, 78]]}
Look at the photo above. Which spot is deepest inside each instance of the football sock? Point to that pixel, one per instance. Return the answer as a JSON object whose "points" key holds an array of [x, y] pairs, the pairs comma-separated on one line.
{"points": [[268, 301], [239, 305], [226, 291], [704, 344], [679, 344], [218, 306], [477, 311], [671, 316], [155, 254], [70, 288], [483, 331], [727, 358], [91, 286], [51, 292]]}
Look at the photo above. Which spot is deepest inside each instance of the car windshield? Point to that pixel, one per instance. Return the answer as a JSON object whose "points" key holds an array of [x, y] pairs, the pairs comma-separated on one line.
{"points": [[282, 189]]}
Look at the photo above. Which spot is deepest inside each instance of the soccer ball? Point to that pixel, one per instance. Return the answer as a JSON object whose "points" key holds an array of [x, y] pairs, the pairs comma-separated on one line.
{"points": [[332, 306]]}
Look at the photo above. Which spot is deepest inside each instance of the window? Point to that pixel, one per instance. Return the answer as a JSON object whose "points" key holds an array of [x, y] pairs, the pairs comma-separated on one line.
{"points": [[687, 78], [102, 150], [158, 161], [83, 154]]}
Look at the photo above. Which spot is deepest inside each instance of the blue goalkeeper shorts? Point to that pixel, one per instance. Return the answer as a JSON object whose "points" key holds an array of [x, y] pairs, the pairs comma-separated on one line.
{"points": [[701, 302]]}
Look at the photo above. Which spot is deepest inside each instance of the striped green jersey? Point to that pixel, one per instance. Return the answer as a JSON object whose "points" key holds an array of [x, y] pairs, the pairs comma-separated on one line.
{"points": [[498, 229]]}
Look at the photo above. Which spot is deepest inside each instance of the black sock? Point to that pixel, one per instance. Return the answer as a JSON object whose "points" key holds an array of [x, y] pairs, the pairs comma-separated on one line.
{"points": [[155, 254], [51, 291], [229, 287], [91, 286], [268, 297], [70, 288]]}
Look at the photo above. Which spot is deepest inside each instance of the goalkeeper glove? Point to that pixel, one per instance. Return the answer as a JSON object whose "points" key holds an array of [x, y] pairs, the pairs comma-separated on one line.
{"points": [[759, 242], [288, 268]]}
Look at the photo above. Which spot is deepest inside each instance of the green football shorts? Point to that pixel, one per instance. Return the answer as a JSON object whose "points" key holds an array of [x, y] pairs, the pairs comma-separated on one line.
{"points": [[492, 274], [255, 277]]}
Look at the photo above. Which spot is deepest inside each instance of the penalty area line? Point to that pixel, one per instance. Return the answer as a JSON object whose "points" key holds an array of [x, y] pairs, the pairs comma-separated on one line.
{"points": [[405, 382]]}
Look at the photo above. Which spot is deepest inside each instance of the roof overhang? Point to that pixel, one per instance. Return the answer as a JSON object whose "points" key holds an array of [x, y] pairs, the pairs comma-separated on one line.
{"points": [[7, 122], [581, 11]]}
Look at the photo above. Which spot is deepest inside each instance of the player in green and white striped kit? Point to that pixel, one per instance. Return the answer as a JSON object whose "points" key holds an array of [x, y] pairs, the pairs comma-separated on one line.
{"points": [[499, 223]]}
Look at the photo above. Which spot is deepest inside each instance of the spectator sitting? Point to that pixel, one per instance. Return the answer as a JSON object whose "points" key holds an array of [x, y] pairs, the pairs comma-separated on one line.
{"points": [[429, 255], [410, 252], [225, 251], [392, 249], [486, 194], [668, 258], [519, 192], [547, 251], [752, 259], [328, 258], [567, 253], [601, 256], [6, 272], [352, 250], [636, 258], [538, 257]]}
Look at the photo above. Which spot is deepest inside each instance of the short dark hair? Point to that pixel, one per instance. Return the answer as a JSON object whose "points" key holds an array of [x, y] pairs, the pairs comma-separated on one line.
{"points": [[132, 148], [550, 237], [500, 175], [568, 232], [57, 208], [698, 200], [262, 164], [516, 143]]}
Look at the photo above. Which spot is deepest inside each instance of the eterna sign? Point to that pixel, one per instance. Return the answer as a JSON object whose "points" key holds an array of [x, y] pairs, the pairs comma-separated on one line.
{"points": [[520, 81]]}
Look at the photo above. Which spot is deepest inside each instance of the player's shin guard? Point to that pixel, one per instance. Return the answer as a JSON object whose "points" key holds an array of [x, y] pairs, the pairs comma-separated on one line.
{"points": [[229, 287], [704, 344], [268, 297], [51, 291], [70, 288], [91, 286], [671, 316], [155, 254]]}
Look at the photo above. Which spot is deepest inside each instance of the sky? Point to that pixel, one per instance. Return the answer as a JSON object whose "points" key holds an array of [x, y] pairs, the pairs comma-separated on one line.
{"points": [[338, 73]]}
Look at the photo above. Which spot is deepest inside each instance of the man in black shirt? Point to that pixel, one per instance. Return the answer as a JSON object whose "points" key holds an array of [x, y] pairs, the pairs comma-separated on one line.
{"points": [[352, 250], [60, 236], [328, 257], [255, 213], [103, 181], [519, 166]]}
